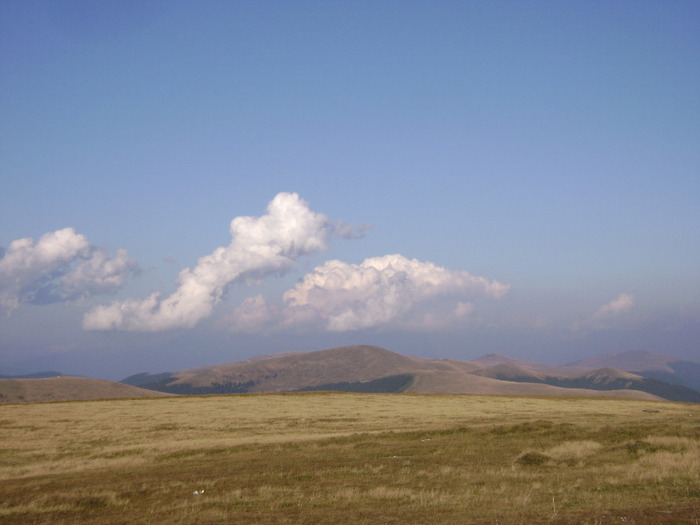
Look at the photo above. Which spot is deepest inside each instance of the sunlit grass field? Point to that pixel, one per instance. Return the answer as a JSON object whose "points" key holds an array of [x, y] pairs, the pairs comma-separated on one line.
{"points": [[350, 458]]}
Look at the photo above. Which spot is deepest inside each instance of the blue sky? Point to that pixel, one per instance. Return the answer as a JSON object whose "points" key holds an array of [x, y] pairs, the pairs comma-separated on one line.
{"points": [[446, 179]]}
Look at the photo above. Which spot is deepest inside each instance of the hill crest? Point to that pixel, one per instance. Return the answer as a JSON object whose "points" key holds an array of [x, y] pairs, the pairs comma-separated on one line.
{"points": [[67, 388], [366, 367]]}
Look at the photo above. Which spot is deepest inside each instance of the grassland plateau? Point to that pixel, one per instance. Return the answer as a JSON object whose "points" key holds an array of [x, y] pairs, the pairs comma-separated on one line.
{"points": [[350, 458]]}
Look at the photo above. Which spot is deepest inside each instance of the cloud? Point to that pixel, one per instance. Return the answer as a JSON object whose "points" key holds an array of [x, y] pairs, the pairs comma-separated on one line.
{"points": [[389, 291], [623, 303], [605, 317], [61, 266], [253, 315], [260, 246], [350, 231]]}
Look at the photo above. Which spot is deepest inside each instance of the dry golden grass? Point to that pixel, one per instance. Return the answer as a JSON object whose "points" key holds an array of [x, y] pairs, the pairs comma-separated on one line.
{"points": [[573, 450], [350, 458]]}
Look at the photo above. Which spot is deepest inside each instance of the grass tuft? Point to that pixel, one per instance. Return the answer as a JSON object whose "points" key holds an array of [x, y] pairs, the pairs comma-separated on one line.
{"points": [[533, 459]]}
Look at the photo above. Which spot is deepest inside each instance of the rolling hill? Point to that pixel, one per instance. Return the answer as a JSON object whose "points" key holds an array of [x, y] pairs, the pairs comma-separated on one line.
{"points": [[373, 369], [650, 365], [66, 388], [606, 379], [364, 368]]}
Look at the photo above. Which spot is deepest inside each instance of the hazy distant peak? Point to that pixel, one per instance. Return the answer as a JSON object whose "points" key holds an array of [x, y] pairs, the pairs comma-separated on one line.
{"points": [[630, 361]]}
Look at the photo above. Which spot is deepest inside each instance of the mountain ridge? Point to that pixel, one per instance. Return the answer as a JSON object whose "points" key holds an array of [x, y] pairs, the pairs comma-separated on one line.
{"points": [[33, 375], [372, 368], [650, 365], [367, 368]]}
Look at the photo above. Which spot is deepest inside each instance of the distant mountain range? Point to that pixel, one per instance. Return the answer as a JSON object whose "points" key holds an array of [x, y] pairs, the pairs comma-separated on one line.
{"points": [[35, 375], [650, 365], [637, 374]]}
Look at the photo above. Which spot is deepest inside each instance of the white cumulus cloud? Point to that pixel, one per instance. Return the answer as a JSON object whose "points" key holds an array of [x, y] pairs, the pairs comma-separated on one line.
{"points": [[61, 266], [260, 246], [607, 315], [388, 291], [623, 303]]}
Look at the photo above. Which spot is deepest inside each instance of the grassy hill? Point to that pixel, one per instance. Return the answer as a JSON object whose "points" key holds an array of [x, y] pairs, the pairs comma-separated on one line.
{"points": [[372, 369], [604, 380], [653, 366], [65, 388]]}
